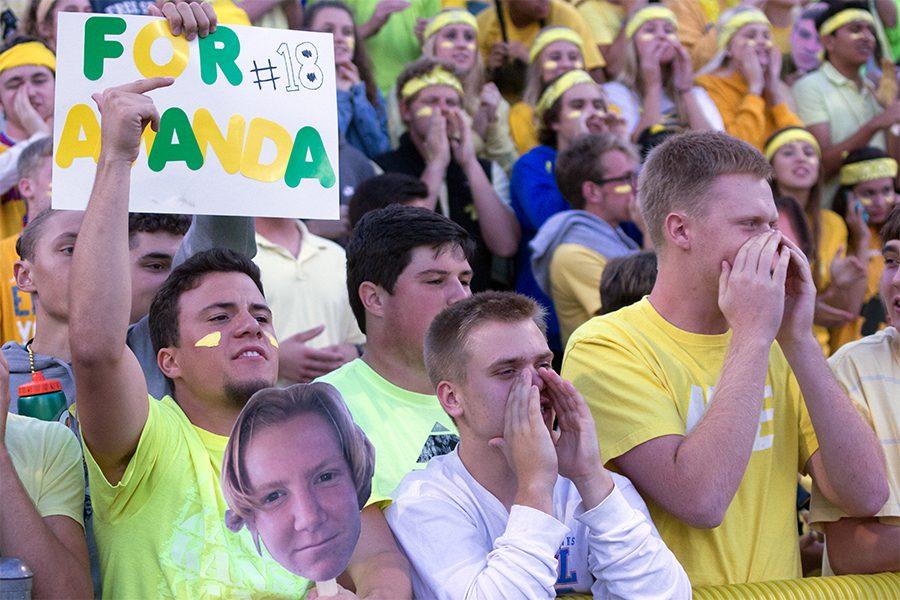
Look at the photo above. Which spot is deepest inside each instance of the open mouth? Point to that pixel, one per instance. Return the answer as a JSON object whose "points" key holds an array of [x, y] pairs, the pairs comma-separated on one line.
{"points": [[251, 353]]}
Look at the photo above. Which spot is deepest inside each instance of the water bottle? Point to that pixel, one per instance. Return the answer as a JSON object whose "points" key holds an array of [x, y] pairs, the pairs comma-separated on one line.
{"points": [[42, 398], [15, 579]]}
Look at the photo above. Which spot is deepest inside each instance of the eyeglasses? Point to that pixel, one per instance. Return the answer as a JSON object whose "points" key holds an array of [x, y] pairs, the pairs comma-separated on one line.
{"points": [[626, 178]]}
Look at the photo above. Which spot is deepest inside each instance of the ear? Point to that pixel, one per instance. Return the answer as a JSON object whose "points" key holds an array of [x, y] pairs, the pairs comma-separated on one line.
{"points": [[372, 298], [677, 230], [591, 193], [827, 42], [22, 273], [26, 188], [451, 400], [167, 361]]}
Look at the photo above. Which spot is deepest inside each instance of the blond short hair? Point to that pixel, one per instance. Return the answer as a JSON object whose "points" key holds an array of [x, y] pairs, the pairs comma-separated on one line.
{"points": [[448, 336], [679, 173], [269, 408]]}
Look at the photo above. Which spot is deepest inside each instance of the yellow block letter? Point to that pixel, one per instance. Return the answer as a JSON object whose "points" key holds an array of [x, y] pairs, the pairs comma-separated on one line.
{"points": [[143, 42], [260, 129], [228, 147], [72, 144]]}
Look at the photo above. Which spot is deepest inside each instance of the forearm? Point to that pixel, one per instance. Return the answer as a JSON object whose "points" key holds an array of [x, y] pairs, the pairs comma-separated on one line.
{"points": [[378, 568], [498, 224], [615, 54], [710, 462], [480, 121], [255, 9], [25, 535], [863, 546], [100, 312], [848, 298], [833, 154], [433, 178], [851, 455], [696, 116], [627, 559], [652, 113]]}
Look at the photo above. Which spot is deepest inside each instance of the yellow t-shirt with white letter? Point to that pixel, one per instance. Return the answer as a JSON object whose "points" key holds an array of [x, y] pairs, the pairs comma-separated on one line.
{"points": [[644, 378]]}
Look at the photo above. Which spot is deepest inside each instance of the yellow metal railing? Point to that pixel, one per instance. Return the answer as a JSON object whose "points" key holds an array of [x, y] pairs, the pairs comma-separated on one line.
{"points": [[883, 586]]}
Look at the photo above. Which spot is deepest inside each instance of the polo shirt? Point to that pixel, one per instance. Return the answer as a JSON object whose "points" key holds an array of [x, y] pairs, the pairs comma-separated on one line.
{"points": [[309, 290]]}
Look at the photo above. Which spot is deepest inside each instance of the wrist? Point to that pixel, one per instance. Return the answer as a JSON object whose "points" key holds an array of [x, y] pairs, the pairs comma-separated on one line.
{"points": [[535, 494], [799, 347], [751, 341], [594, 488]]}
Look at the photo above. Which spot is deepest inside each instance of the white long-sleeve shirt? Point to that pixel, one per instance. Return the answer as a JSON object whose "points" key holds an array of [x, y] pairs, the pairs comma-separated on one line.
{"points": [[463, 543]]}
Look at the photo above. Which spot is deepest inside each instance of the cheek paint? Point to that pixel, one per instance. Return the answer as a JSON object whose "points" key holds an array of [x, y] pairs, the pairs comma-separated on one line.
{"points": [[646, 37], [550, 65], [272, 339], [351, 45], [768, 43], [751, 43], [625, 188], [425, 111], [857, 35], [574, 114], [209, 341], [578, 65], [446, 44], [672, 37], [470, 46]]}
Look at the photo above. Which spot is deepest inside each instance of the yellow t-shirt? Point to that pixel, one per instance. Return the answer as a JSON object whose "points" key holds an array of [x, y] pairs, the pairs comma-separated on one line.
{"points": [[161, 530], [869, 371], [603, 18], [228, 13], [47, 460], [575, 272], [644, 378], [522, 127], [16, 308], [832, 237], [561, 13], [406, 428], [12, 208]]}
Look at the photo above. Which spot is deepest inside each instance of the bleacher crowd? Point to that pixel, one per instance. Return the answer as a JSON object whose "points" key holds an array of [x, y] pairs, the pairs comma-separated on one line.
{"points": [[611, 309]]}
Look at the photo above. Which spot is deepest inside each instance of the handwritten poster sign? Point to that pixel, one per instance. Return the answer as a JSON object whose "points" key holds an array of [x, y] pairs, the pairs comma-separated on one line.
{"points": [[248, 128]]}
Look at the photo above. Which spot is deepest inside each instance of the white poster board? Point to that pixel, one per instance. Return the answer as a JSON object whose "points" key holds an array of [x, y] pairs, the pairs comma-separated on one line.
{"points": [[248, 128]]}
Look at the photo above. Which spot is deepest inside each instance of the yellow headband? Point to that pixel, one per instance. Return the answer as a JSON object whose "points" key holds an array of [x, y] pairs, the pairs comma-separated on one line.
{"points": [[650, 13], [453, 16], [867, 170], [559, 87], [794, 134], [554, 34], [28, 53], [739, 21], [437, 76], [843, 18]]}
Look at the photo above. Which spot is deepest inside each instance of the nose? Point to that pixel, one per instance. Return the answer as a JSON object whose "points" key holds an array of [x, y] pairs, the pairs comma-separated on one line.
{"points": [[246, 324], [307, 512], [457, 292]]}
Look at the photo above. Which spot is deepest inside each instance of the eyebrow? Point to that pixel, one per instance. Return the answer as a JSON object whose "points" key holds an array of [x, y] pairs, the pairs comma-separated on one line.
{"points": [[233, 306], [324, 463], [428, 272], [158, 255], [514, 360]]}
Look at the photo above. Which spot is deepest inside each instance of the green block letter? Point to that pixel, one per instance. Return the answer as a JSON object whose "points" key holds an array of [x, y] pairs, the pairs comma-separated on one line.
{"points": [[97, 48], [308, 141], [165, 149], [220, 48]]}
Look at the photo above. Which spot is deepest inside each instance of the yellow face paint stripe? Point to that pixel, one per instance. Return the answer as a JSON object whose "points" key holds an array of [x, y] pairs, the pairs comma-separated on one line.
{"points": [[209, 341], [272, 339]]}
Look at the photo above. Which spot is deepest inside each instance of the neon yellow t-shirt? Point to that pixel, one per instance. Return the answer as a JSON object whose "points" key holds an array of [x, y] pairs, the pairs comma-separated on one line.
{"points": [[406, 428], [575, 272], [603, 18], [161, 530], [644, 378], [47, 460], [832, 237]]}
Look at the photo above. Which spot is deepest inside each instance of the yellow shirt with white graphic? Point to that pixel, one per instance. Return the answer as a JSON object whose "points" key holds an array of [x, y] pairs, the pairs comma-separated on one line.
{"points": [[644, 378], [16, 308]]}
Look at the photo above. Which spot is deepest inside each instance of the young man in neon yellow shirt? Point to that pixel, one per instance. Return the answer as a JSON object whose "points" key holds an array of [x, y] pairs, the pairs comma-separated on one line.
{"points": [[719, 474], [869, 371], [154, 466]]}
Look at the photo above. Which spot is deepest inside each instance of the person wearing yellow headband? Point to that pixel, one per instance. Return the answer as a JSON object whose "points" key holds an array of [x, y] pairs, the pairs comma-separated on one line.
{"points": [[835, 101], [452, 37], [867, 183], [437, 147], [571, 106], [794, 155], [41, 17], [656, 84], [556, 50], [362, 111], [744, 78]]}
